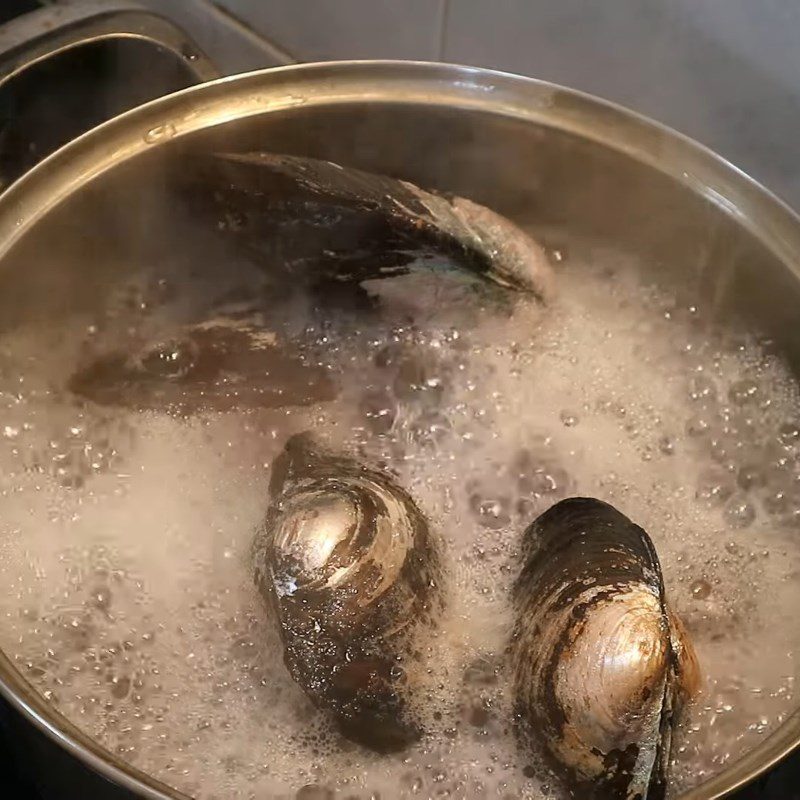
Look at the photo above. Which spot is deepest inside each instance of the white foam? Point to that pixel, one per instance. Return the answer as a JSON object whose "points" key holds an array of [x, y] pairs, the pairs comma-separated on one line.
{"points": [[125, 539]]}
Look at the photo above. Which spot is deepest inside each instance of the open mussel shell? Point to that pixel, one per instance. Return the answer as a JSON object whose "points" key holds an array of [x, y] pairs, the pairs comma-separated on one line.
{"points": [[346, 561], [220, 365], [325, 224], [600, 664]]}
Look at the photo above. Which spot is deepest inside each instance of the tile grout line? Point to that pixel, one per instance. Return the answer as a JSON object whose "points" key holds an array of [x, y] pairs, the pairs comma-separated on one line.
{"points": [[443, 20], [280, 53]]}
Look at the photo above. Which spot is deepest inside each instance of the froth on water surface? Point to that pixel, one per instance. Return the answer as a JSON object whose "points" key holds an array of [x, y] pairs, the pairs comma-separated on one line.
{"points": [[125, 535]]}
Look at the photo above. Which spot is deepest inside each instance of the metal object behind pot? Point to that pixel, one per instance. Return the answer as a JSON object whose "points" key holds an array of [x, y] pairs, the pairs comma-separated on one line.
{"points": [[563, 162]]}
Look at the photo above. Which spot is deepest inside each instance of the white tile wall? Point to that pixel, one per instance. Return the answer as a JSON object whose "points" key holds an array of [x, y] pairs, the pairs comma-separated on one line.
{"points": [[325, 29], [726, 72]]}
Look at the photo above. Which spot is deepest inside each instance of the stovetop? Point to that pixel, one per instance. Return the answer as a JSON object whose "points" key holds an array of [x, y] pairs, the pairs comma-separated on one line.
{"points": [[10, 9]]}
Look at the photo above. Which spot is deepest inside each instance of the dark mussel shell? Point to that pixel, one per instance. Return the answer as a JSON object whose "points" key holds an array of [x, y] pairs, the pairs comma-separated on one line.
{"points": [[215, 366], [600, 664], [347, 562], [326, 225]]}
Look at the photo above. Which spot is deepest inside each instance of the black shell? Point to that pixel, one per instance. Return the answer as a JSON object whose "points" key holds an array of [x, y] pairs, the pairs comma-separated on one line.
{"points": [[600, 665], [347, 563], [219, 365], [330, 225]]}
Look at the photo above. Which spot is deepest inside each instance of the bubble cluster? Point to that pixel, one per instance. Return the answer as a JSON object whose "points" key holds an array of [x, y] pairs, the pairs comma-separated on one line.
{"points": [[125, 537]]}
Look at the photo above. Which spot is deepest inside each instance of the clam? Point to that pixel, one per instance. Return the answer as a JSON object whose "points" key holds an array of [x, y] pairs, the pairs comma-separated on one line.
{"points": [[218, 365], [348, 565], [330, 226], [601, 666]]}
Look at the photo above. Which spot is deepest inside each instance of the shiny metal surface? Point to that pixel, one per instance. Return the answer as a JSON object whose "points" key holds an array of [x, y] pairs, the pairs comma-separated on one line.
{"points": [[41, 35], [66, 68], [568, 165]]}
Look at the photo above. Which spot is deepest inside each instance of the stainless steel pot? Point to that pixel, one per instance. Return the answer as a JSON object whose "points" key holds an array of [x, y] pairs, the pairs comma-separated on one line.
{"points": [[570, 165]]}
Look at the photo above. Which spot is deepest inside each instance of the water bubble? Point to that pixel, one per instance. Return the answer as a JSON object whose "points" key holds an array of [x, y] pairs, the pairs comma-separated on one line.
{"points": [[478, 716], [734, 549], [491, 513], [749, 477], [417, 378], [789, 433], [666, 445], [379, 410], [740, 513], [70, 468], [174, 359], [723, 451], [714, 486], [120, 687], [544, 480], [743, 392], [431, 428], [700, 589], [775, 502], [568, 419], [697, 426], [101, 597], [482, 671], [702, 388], [388, 356]]}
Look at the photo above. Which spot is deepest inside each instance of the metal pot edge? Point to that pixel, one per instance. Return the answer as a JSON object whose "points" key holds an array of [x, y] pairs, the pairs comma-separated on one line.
{"points": [[225, 100]]}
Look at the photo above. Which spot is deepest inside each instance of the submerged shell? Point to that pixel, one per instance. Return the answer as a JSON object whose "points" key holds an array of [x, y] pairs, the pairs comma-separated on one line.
{"points": [[600, 664], [347, 562], [328, 224], [219, 365]]}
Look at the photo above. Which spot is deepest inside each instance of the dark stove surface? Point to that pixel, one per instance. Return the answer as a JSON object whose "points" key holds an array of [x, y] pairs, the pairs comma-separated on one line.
{"points": [[9, 9]]}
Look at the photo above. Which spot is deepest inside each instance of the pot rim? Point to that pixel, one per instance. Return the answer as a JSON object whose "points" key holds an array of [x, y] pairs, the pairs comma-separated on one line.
{"points": [[250, 94]]}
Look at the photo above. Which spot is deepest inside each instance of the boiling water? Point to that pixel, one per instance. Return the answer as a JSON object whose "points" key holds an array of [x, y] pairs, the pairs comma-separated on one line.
{"points": [[125, 537]]}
